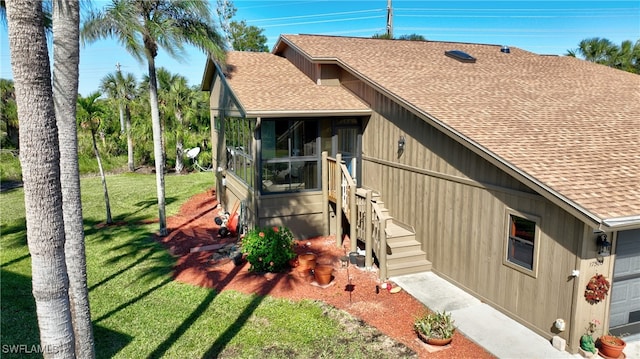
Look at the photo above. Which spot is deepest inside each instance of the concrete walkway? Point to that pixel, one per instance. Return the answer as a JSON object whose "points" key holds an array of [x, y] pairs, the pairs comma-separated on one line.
{"points": [[489, 328]]}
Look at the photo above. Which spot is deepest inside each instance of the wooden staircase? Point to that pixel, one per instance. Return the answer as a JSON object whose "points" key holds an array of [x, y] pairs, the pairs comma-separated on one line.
{"points": [[371, 223], [404, 253]]}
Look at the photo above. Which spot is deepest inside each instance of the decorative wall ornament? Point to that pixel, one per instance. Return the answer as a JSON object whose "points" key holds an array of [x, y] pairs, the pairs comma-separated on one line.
{"points": [[597, 289]]}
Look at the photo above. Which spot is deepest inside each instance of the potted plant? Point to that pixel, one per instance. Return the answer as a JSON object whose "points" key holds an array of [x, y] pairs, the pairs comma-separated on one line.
{"points": [[435, 328], [586, 341], [611, 346]]}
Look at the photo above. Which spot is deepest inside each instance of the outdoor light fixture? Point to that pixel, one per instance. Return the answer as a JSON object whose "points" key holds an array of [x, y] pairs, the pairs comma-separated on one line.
{"points": [[604, 246], [401, 142]]}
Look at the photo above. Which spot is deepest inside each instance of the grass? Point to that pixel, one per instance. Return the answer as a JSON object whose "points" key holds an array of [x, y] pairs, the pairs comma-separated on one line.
{"points": [[138, 311]]}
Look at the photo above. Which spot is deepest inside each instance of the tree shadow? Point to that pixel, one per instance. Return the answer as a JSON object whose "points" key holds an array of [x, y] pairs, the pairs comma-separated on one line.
{"points": [[15, 260], [223, 339], [109, 342], [132, 301], [14, 235], [19, 322], [153, 202]]}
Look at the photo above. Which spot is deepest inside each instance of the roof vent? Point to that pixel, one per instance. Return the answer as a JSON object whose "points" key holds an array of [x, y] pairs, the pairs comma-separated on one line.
{"points": [[505, 49], [460, 56]]}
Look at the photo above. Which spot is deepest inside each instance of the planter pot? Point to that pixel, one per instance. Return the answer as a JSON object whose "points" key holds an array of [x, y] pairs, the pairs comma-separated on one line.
{"points": [[307, 261], [611, 346], [323, 274], [352, 257], [360, 261], [434, 341]]}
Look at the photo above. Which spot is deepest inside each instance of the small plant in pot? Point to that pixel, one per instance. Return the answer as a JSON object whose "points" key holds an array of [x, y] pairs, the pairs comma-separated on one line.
{"points": [[436, 328]]}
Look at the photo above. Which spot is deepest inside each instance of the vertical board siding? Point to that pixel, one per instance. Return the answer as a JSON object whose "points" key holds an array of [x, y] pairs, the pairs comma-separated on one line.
{"points": [[302, 63], [462, 227]]}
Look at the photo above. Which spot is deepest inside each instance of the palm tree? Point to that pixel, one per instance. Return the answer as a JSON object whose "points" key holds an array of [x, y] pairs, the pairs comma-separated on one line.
{"points": [[121, 88], [66, 57], [597, 50], [144, 26], [8, 115], [627, 57], [89, 116], [40, 161], [182, 101]]}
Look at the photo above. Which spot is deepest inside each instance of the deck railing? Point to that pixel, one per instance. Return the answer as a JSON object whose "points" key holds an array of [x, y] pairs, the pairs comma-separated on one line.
{"points": [[366, 218]]}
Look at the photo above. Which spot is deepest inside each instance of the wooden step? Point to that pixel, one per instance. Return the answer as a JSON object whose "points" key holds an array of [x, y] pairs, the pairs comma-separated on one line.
{"points": [[406, 257], [403, 245], [394, 230], [408, 267]]}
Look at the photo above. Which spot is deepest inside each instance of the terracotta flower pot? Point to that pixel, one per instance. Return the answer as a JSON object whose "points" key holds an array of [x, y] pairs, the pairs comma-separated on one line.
{"points": [[322, 274], [611, 346], [307, 260], [434, 341]]}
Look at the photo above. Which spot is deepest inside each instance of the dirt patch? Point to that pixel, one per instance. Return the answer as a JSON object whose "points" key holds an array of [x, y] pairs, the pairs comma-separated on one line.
{"points": [[352, 290]]}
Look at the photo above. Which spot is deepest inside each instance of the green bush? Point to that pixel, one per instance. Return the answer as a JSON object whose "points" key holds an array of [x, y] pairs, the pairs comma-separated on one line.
{"points": [[268, 249]]}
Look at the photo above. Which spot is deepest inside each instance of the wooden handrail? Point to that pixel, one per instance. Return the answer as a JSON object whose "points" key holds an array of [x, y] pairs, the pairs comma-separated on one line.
{"points": [[368, 221]]}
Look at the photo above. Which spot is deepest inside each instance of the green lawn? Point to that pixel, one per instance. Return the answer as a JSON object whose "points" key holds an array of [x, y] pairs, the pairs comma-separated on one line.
{"points": [[138, 311]]}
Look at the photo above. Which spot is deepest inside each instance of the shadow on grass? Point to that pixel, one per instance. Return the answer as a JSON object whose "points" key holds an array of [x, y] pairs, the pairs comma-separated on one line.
{"points": [[133, 300], [19, 324], [147, 203], [15, 260], [234, 328], [14, 235]]}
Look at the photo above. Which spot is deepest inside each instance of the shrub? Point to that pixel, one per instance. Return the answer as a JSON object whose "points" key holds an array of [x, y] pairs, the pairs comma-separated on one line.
{"points": [[268, 249]]}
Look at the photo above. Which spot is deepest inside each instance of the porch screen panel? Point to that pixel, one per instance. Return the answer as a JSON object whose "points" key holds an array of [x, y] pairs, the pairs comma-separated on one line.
{"points": [[290, 155], [239, 139]]}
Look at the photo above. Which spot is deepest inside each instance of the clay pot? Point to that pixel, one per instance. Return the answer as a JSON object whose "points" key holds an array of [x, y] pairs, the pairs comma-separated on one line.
{"points": [[610, 346], [322, 274], [434, 341], [307, 261]]}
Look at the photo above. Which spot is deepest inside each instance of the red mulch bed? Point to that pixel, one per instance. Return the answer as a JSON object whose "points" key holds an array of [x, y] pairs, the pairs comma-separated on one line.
{"points": [[352, 289]]}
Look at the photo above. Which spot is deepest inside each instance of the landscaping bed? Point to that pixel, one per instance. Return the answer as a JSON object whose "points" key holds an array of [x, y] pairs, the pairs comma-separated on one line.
{"points": [[352, 289]]}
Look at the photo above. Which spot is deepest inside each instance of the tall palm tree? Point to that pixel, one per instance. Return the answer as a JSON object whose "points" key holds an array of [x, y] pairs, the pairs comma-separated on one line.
{"points": [[89, 115], [182, 101], [66, 58], [40, 161], [122, 88], [144, 26]]}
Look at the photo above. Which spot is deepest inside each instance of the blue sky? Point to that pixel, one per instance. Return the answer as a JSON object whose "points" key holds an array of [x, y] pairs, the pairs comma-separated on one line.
{"points": [[545, 27]]}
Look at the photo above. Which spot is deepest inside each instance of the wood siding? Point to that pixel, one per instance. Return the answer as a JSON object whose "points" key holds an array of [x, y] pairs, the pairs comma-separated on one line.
{"points": [[302, 63], [300, 212], [458, 203]]}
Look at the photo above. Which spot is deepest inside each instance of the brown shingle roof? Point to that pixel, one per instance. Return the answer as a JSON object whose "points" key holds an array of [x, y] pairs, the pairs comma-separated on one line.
{"points": [[268, 84], [572, 125]]}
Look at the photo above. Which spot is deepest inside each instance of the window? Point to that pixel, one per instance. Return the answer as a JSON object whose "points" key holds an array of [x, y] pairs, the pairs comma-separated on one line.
{"points": [[522, 242], [239, 139], [290, 156]]}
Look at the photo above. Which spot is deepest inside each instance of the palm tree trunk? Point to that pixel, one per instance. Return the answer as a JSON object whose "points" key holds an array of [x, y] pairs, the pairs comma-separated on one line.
{"points": [[40, 161], [179, 152], [129, 140], [102, 177], [66, 56], [157, 144], [121, 111]]}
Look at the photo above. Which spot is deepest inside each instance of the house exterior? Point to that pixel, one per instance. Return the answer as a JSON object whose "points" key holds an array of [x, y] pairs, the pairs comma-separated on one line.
{"points": [[517, 173]]}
